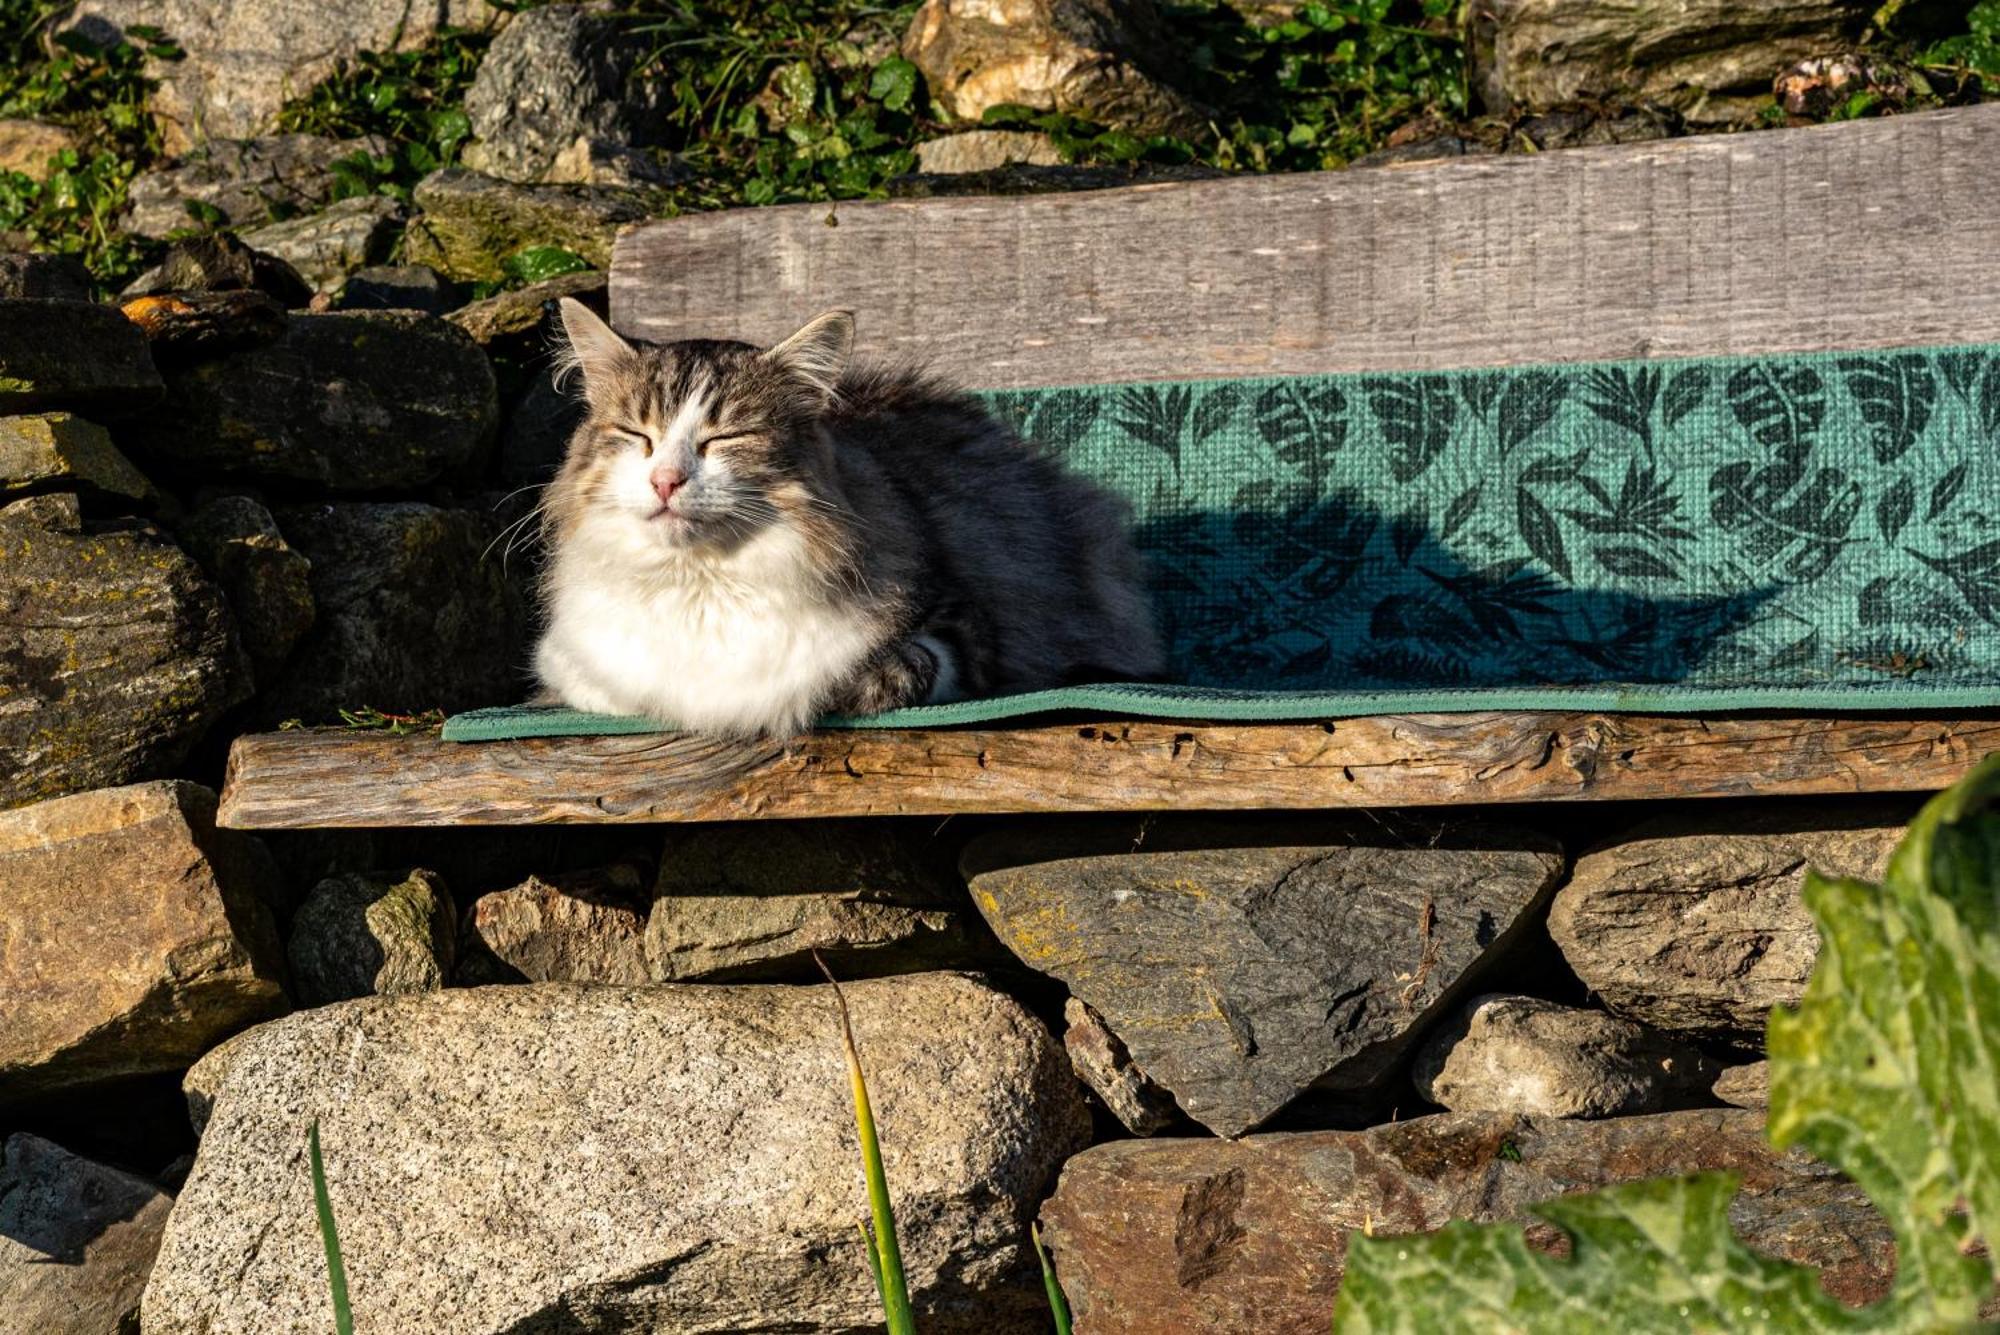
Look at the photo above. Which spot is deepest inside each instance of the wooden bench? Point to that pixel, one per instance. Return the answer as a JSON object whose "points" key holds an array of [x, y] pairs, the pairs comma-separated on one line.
{"points": [[1867, 234]]}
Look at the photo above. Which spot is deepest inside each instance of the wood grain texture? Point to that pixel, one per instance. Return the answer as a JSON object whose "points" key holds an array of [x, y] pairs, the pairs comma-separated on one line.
{"points": [[294, 780], [1865, 234]]}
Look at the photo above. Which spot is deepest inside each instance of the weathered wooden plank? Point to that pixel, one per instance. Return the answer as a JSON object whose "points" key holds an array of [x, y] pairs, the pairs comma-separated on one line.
{"points": [[329, 778], [1865, 234]]}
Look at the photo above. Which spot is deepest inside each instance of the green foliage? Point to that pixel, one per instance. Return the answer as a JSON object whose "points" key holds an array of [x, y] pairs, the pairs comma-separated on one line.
{"points": [[1058, 1305], [539, 263], [1976, 51], [100, 93], [885, 1257], [329, 1236], [412, 100], [1889, 1069]]}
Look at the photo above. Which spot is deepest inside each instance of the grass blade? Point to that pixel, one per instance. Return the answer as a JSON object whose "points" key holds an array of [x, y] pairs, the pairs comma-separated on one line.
{"points": [[884, 1255], [1058, 1305], [336, 1272]]}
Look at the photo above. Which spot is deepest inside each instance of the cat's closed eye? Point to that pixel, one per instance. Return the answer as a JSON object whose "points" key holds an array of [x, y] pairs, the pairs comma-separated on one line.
{"points": [[702, 446], [629, 438]]}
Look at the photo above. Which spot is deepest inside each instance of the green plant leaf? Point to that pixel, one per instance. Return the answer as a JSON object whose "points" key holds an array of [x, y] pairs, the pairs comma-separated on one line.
{"points": [[894, 83], [329, 1236], [536, 264], [1889, 1070]]}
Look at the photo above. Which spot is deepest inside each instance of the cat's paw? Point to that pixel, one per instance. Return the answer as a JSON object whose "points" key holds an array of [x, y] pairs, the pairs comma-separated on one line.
{"points": [[898, 676]]}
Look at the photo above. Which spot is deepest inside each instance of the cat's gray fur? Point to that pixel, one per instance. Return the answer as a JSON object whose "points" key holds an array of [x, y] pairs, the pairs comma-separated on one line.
{"points": [[832, 538]]}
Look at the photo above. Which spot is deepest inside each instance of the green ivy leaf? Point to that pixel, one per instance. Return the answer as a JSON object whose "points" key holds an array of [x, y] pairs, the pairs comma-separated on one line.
{"points": [[894, 83], [1889, 1070], [538, 263]]}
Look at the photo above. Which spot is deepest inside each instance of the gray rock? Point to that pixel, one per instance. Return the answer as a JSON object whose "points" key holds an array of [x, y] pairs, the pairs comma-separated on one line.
{"points": [[1305, 952], [116, 654], [44, 450], [536, 433], [1021, 178], [1692, 923], [137, 936], [1109, 61], [373, 934], [220, 262], [471, 223], [623, 1158], [1746, 1086], [515, 320], [1251, 1235], [327, 246], [755, 900], [557, 74], [205, 1077], [77, 1240], [411, 613], [239, 183], [55, 512], [601, 162], [1517, 1054], [399, 287], [265, 579], [246, 58], [352, 401], [186, 327], [1711, 59], [26, 276], [72, 354], [984, 150], [1102, 1063], [583, 927], [27, 145]]}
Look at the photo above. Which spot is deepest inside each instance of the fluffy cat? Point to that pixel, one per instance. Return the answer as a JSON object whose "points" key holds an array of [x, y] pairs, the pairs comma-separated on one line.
{"points": [[742, 540]]}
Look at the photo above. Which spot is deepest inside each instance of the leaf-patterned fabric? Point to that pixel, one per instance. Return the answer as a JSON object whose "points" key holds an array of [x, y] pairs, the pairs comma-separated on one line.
{"points": [[1785, 521], [1813, 531]]}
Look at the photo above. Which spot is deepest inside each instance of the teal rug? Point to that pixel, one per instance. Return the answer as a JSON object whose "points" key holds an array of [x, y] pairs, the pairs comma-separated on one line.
{"points": [[1806, 531]]}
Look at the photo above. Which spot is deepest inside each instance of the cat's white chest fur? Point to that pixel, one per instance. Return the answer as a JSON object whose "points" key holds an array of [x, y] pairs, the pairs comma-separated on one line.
{"points": [[742, 644]]}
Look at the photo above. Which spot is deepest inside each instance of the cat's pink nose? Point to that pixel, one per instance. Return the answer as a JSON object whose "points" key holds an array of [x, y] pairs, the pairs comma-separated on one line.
{"points": [[667, 481]]}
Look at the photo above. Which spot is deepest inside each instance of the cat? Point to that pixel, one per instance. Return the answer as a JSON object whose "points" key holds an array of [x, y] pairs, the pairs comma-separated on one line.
{"points": [[742, 540]]}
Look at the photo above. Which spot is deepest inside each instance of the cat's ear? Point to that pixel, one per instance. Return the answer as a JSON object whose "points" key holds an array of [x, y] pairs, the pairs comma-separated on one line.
{"points": [[594, 349], [818, 353]]}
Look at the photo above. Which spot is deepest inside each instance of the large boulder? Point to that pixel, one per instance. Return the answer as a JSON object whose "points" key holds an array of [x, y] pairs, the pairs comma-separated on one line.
{"points": [[756, 900], [246, 58], [72, 354], [1714, 60], [1693, 923], [1526, 1055], [1242, 963], [1220, 1236], [135, 936], [373, 934], [77, 1240], [326, 247], [352, 401], [556, 75], [471, 223], [555, 1157], [264, 577], [240, 183], [116, 653], [40, 451], [579, 927], [1108, 61], [414, 609]]}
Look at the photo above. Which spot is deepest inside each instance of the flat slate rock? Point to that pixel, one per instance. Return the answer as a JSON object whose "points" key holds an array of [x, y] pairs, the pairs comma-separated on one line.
{"points": [[1242, 963], [72, 354], [136, 936], [327, 246], [1232, 1237], [352, 401], [116, 654], [555, 1157], [1692, 922], [77, 1240]]}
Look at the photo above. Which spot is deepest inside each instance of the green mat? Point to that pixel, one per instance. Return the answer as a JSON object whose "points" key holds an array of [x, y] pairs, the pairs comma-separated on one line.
{"points": [[1808, 531]]}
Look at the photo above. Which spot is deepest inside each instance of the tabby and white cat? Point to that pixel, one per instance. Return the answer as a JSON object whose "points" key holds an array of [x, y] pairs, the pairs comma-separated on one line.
{"points": [[744, 539]]}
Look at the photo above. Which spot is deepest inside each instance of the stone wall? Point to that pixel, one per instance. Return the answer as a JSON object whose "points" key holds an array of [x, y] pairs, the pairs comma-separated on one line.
{"points": [[587, 1078]]}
